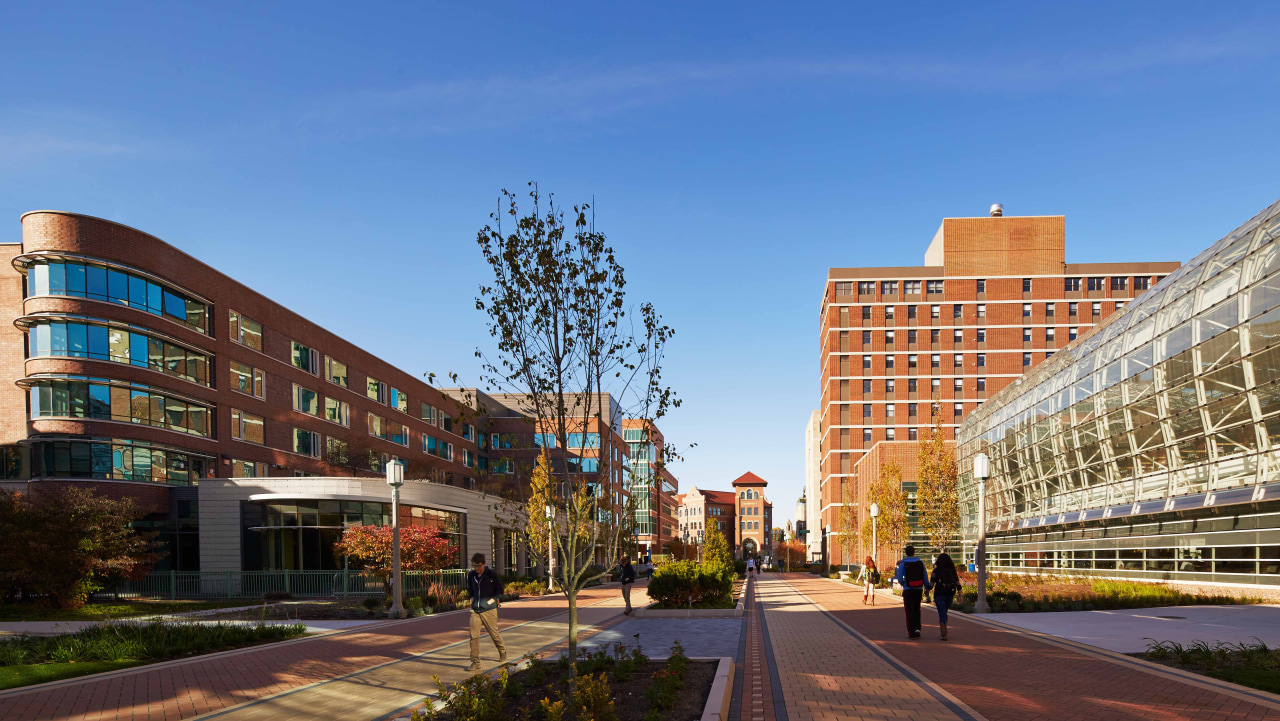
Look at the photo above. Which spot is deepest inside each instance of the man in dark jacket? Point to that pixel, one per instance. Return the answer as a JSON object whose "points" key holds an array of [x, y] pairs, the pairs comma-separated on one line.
{"points": [[914, 580], [628, 577], [486, 590]]}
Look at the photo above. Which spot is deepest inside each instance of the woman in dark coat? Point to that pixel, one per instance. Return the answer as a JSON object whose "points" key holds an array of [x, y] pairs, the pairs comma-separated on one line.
{"points": [[946, 584]]}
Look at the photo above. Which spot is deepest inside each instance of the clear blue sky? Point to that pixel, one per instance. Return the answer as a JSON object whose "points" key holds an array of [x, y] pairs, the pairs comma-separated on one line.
{"points": [[341, 159]]}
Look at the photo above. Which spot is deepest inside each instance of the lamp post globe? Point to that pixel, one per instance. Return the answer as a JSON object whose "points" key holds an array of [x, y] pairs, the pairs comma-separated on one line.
{"points": [[981, 472], [395, 479], [551, 548]]}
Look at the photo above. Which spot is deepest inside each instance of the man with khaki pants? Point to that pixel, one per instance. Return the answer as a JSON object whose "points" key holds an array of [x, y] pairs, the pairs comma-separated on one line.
{"points": [[486, 590]]}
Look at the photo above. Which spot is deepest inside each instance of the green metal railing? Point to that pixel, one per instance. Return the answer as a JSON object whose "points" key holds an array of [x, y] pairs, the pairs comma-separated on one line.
{"points": [[255, 584]]}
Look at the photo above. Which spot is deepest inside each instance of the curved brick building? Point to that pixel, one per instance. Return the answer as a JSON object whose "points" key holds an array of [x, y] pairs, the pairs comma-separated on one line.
{"points": [[131, 365]]}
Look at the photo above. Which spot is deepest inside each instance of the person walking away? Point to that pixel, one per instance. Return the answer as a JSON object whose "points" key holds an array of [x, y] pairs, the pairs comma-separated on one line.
{"points": [[946, 584], [486, 590], [914, 579], [869, 577], [751, 566], [628, 577]]}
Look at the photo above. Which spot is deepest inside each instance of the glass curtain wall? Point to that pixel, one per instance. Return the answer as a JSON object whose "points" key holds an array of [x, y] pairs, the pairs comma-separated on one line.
{"points": [[1159, 418]]}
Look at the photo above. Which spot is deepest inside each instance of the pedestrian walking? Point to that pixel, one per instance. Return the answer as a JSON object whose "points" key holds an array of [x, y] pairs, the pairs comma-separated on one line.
{"points": [[486, 592], [914, 579], [946, 584], [869, 578], [751, 566], [628, 577]]}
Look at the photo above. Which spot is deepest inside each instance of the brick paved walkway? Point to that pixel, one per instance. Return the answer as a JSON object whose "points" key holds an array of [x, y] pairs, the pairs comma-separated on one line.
{"points": [[827, 673], [1009, 675], [203, 685], [757, 689]]}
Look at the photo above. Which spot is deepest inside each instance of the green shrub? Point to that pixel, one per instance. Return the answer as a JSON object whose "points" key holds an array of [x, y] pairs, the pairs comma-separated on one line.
{"points": [[121, 641], [592, 698], [675, 583]]}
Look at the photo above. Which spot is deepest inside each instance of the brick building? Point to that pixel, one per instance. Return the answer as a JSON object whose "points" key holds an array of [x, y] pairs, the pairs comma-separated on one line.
{"points": [[652, 487], [743, 515], [994, 298]]}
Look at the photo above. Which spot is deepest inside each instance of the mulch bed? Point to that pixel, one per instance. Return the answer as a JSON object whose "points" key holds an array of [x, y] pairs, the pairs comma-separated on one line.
{"points": [[339, 610]]}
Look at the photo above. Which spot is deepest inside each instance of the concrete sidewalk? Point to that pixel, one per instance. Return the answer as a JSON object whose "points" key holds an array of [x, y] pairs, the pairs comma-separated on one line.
{"points": [[1130, 631]]}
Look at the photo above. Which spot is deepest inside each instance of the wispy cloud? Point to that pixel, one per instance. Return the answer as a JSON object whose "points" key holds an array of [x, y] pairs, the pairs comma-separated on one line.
{"points": [[578, 96]]}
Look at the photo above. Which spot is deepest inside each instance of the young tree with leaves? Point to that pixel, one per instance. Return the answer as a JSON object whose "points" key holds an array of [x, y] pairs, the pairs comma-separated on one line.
{"points": [[580, 359], [847, 521], [891, 527], [937, 490], [421, 549]]}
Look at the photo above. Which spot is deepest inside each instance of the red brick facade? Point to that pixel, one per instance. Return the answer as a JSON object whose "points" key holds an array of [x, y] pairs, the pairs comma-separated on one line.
{"points": [[995, 295]]}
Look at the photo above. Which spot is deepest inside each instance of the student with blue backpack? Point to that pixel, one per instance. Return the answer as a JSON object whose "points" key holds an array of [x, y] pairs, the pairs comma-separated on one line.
{"points": [[914, 580]]}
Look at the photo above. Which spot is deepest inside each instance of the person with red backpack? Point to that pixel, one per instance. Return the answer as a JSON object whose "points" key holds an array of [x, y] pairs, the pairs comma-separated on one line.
{"points": [[914, 579]]}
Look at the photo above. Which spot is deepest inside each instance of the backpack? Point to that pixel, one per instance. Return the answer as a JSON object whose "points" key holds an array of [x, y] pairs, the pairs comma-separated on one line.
{"points": [[874, 577], [913, 574]]}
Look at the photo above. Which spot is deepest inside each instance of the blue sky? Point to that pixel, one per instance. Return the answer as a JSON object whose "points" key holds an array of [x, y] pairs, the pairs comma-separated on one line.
{"points": [[340, 159]]}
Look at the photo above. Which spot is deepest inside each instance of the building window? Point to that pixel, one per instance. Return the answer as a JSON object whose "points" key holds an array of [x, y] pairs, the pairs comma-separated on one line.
{"points": [[1049, 335], [956, 312], [866, 312], [1071, 285], [1050, 309], [376, 390], [866, 337], [1142, 282], [1097, 309], [306, 443], [981, 310], [911, 287], [1026, 310], [911, 337], [934, 336], [889, 386], [982, 384], [1026, 335], [866, 435], [911, 385], [933, 286], [1097, 283], [912, 435], [866, 387], [306, 400], [1119, 283], [246, 332], [889, 411], [248, 427], [888, 312], [1072, 333], [844, 288], [957, 337], [248, 380], [100, 282], [866, 287], [958, 410], [958, 386], [982, 360], [117, 345], [888, 364], [247, 469], [935, 361], [982, 335], [116, 401], [888, 337], [936, 385], [911, 312], [982, 285], [1026, 359], [889, 434], [306, 358], [911, 361], [397, 433], [866, 410], [957, 360], [335, 372], [1026, 285], [336, 411], [889, 287], [935, 311], [583, 440], [377, 426], [399, 400]]}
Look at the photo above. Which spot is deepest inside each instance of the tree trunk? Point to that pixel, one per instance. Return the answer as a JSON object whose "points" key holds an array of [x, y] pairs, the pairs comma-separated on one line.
{"points": [[572, 594]]}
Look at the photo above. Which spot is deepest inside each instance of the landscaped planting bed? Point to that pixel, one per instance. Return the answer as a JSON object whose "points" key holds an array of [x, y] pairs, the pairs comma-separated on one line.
{"points": [[104, 610], [1034, 593], [1249, 664], [108, 646], [618, 684]]}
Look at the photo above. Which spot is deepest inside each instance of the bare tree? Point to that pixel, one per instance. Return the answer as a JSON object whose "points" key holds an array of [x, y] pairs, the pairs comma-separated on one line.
{"points": [[580, 359]]}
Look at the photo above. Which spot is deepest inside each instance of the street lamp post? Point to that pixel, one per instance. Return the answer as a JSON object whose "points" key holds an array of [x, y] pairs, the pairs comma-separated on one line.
{"points": [[875, 556], [982, 471], [551, 548], [395, 479]]}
